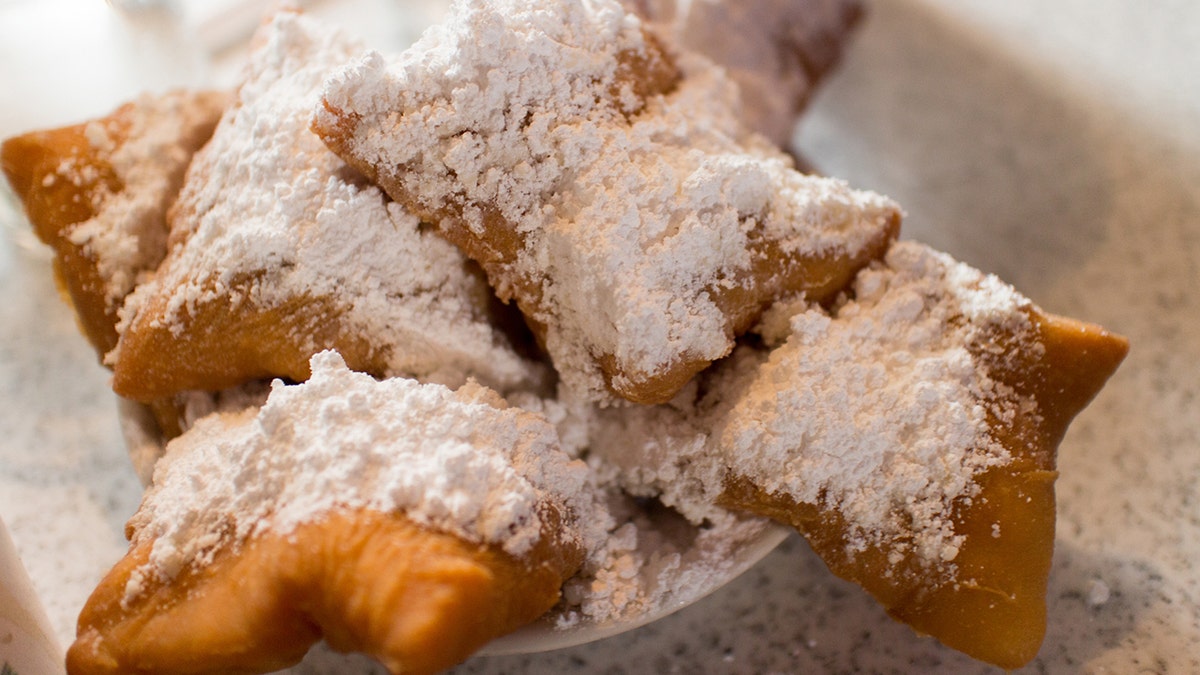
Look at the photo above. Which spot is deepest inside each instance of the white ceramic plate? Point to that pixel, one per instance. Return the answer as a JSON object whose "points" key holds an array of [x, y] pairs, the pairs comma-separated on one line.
{"points": [[543, 636]]}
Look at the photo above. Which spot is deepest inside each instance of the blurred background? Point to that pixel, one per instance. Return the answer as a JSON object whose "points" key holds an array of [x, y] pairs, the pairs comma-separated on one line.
{"points": [[66, 60]]}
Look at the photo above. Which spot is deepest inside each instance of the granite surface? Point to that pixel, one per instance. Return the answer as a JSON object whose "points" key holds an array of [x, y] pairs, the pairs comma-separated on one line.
{"points": [[1058, 147]]}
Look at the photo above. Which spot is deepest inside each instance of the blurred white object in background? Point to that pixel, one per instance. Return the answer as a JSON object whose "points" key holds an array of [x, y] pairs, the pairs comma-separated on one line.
{"points": [[27, 642], [214, 25], [63, 61]]}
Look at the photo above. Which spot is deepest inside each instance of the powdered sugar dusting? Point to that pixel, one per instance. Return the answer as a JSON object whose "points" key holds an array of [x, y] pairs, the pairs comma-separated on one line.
{"points": [[148, 147], [666, 452], [343, 440], [654, 560], [880, 410], [630, 212], [269, 217], [653, 556]]}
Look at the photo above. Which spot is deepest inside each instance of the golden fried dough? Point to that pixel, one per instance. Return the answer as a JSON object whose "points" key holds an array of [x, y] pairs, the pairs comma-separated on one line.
{"points": [[959, 548], [992, 605], [606, 185], [406, 521], [98, 192], [909, 433], [279, 250], [417, 600]]}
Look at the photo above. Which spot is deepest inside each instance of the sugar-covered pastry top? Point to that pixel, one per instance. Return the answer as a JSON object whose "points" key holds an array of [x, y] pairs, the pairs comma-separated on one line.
{"points": [[457, 461], [147, 144], [879, 410], [269, 217], [631, 208]]}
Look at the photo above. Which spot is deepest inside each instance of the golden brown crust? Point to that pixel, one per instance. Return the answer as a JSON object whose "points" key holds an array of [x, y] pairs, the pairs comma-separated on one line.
{"points": [[992, 605], [417, 600], [498, 244], [241, 346], [57, 203], [31, 162]]}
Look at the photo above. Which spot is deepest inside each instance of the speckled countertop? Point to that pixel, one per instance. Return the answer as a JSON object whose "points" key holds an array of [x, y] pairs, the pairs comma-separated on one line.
{"points": [[1056, 144]]}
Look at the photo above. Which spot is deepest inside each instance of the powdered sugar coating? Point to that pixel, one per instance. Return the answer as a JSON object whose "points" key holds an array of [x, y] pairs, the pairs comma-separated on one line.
{"points": [[268, 216], [665, 451], [630, 212], [654, 560], [453, 461], [878, 410], [148, 145]]}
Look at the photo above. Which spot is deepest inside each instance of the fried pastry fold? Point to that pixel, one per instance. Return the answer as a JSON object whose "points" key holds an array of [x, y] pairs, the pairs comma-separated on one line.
{"points": [[605, 184], [416, 599], [909, 433], [278, 250], [97, 193], [405, 521]]}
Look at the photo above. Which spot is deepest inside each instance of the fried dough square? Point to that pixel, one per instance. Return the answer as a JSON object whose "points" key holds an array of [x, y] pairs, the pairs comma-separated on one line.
{"points": [[97, 193], [606, 185], [406, 521], [912, 436], [279, 250]]}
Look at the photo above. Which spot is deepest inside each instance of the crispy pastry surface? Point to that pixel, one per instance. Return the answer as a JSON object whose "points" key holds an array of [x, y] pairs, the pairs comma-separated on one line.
{"points": [[76, 198], [417, 600], [501, 176], [992, 606]]}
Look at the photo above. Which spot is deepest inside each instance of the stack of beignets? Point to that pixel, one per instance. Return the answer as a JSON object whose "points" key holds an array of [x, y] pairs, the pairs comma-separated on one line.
{"points": [[739, 336]]}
